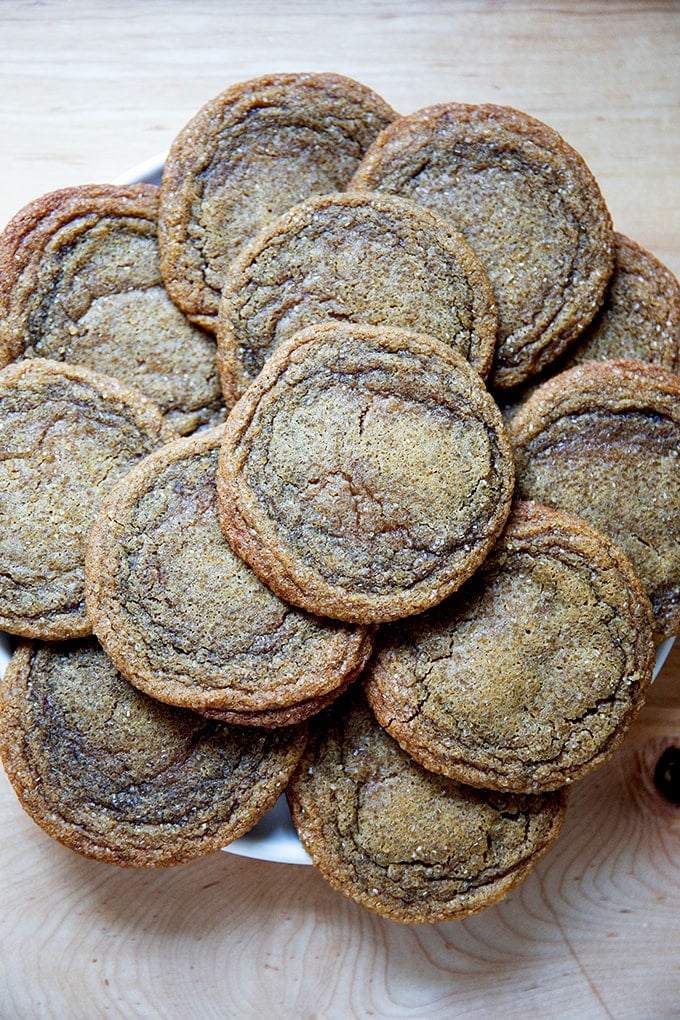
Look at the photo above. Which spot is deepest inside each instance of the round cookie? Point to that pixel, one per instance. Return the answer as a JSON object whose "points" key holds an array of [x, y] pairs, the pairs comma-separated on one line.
{"points": [[187, 621], [253, 151], [602, 441], [640, 315], [402, 841], [119, 777], [639, 319], [527, 204], [80, 282], [365, 473], [68, 436], [358, 257], [529, 676]]}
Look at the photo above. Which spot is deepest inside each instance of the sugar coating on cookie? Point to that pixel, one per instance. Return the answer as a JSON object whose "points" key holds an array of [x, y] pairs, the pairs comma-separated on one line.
{"points": [[602, 441], [80, 282], [406, 843], [119, 777], [640, 314], [253, 151], [530, 675], [68, 435], [186, 620], [365, 473], [527, 204], [366, 257]]}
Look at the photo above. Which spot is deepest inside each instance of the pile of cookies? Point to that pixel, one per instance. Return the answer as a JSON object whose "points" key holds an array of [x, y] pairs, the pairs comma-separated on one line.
{"points": [[345, 464]]}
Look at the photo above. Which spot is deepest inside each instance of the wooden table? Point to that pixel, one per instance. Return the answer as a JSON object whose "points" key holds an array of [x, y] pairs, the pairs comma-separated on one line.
{"points": [[88, 89]]}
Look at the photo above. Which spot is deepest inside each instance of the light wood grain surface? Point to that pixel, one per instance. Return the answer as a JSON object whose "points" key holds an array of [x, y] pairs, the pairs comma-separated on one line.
{"points": [[89, 89]]}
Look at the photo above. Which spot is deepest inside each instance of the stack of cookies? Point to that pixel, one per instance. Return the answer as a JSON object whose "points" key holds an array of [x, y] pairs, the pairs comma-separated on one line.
{"points": [[346, 463]]}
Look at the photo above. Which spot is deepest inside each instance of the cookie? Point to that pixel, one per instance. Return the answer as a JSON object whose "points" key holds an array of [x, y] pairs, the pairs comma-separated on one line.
{"points": [[602, 441], [250, 153], [119, 777], [402, 841], [639, 319], [68, 435], [640, 316], [365, 473], [187, 621], [527, 204], [529, 676], [365, 257], [80, 282]]}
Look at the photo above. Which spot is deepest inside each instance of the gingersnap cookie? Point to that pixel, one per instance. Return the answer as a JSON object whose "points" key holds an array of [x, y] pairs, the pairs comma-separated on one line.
{"points": [[253, 151], [640, 315], [404, 842], [639, 318], [529, 676], [365, 473], [187, 621], [69, 435], [527, 204], [365, 257], [80, 282], [602, 441], [119, 777]]}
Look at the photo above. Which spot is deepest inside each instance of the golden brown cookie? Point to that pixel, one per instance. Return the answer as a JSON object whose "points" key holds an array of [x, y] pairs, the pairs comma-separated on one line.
{"points": [[528, 205], [187, 621], [639, 318], [119, 777], [68, 436], [640, 315], [250, 153], [364, 257], [529, 676], [80, 282], [365, 473], [402, 841], [602, 441]]}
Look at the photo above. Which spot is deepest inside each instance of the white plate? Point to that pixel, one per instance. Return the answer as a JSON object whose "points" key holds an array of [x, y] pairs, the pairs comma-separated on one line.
{"points": [[273, 838], [148, 172]]}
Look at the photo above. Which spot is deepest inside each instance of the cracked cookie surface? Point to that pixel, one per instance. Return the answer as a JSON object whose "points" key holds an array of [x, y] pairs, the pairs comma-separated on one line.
{"points": [[527, 204], [529, 676], [119, 777], [365, 473], [186, 620], [68, 435], [253, 151], [401, 841], [372, 258], [80, 282], [602, 441]]}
